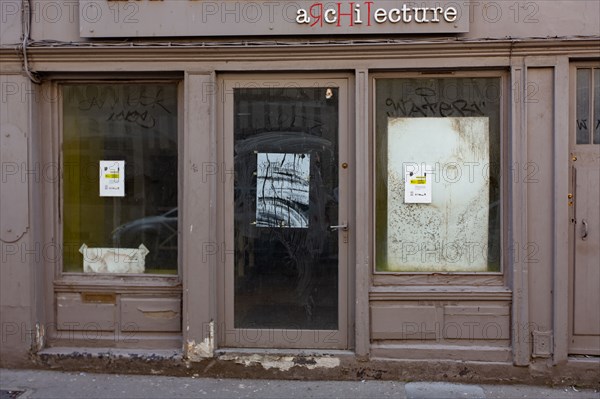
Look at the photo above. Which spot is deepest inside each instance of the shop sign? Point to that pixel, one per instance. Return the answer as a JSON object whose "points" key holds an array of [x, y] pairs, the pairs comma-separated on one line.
{"points": [[192, 18]]}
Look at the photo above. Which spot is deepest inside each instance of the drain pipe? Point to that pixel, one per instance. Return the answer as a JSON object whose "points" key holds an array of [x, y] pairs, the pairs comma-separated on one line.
{"points": [[26, 28]]}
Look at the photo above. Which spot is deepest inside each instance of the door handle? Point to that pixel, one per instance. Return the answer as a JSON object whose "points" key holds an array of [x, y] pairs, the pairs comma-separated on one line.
{"points": [[343, 227], [585, 230]]}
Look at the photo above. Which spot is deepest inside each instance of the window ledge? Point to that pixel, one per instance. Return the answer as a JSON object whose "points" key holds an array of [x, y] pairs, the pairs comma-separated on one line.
{"points": [[420, 293], [157, 285]]}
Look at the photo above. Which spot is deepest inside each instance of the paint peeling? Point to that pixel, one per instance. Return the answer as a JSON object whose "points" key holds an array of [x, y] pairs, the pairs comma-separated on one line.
{"points": [[40, 337], [198, 351], [159, 314], [284, 363]]}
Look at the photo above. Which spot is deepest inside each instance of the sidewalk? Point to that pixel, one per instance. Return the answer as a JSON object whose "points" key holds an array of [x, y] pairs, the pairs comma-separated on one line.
{"points": [[54, 384]]}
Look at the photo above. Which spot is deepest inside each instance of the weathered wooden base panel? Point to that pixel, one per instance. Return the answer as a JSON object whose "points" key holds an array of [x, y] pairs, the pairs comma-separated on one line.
{"points": [[336, 365]]}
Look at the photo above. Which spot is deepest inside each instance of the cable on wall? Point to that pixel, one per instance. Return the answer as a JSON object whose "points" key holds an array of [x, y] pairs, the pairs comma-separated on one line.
{"points": [[26, 29]]}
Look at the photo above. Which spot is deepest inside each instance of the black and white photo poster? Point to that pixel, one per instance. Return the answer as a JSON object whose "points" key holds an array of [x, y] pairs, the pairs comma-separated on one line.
{"points": [[282, 192]]}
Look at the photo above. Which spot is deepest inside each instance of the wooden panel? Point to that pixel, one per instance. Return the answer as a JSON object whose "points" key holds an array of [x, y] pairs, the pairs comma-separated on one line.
{"points": [[200, 249], [517, 271], [586, 295], [476, 322], [561, 212], [73, 314], [151, 314], [446, 293], [445, 352], [404, 322], [536, 175], [14, 190], [362, 236]]}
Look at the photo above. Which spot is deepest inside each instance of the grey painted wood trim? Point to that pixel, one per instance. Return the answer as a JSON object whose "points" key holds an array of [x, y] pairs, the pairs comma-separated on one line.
{"points": [[518, 213], [14, 152], [52, 205], [200, 247], [466, 279], [362, 219], [561, 173], [38, 274], [417, 49], [154, 287], [418, 351], [228, 334], [210, 94], [418, 293]]}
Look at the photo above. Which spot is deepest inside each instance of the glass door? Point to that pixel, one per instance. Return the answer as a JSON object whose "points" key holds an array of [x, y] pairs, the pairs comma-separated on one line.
{"points": [[286, 214]]}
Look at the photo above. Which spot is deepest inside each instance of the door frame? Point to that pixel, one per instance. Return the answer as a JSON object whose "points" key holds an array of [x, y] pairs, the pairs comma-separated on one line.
{"points": [[226, 334], [577, 344]]}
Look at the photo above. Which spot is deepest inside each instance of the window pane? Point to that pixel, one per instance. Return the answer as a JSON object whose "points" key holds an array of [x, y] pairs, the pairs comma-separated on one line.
{"points": [[286, 197], [121, 217], [438, 175], [596, 106], [583, 106]]}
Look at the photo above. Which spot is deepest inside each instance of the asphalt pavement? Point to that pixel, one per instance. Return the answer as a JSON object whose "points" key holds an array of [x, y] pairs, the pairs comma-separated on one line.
{"points": [[25, 384]]}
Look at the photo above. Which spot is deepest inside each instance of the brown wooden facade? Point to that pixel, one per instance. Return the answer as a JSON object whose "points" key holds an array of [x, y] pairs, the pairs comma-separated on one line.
{"points": [[538, 310]]}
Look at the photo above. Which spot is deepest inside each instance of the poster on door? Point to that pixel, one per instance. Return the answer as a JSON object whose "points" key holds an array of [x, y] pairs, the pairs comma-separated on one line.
{"points": [[282, 190], [112, 178]]}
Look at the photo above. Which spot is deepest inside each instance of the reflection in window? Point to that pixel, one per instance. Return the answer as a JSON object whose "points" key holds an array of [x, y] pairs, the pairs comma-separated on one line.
{"points": [[587, 122], [438, 175], [285, 194], [596, 106], [584, 80], [136, 124]]}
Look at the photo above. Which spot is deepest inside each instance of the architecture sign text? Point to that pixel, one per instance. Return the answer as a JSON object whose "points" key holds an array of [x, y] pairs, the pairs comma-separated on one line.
{"points": [[356, 13], [247, 18]]}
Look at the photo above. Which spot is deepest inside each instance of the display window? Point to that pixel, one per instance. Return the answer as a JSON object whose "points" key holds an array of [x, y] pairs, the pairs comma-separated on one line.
{"points": [[438, 186], [120, 178]]}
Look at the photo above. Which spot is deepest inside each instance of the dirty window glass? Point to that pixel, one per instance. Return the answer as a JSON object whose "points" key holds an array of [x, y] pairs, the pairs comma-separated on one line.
{"points": [[596, 106], [584, 81], [286, 199], [119, 149], [438, 175]]}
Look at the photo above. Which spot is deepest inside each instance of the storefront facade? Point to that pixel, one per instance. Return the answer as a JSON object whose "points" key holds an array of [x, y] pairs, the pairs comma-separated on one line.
{"points": [[347, 185]]}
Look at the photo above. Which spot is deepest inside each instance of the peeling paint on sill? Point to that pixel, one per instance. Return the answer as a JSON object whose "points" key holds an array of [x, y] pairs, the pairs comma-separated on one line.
{"points": [[40, 337], [283, 363], [159, 314], [205, 349]]}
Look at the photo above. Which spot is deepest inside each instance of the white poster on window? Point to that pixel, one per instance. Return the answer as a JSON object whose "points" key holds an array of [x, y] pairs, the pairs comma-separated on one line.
{"points": [[438, 216], [417, 183], [112, 178], [282, 190]]}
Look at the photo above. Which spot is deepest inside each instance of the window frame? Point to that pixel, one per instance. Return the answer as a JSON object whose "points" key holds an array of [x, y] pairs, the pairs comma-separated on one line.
{"points": [[123, 280], [591, 105], [491, 278]]}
